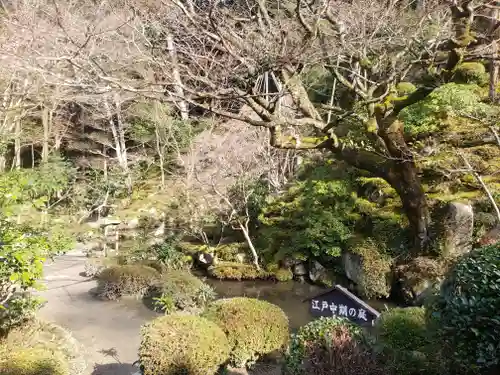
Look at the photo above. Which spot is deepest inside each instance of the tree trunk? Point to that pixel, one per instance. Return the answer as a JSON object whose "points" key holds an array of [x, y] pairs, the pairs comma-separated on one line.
{"points": [[404, 179], [17, 144], [46, 132], [403, 176], [118, 131], [178, 89], [244, 229]]}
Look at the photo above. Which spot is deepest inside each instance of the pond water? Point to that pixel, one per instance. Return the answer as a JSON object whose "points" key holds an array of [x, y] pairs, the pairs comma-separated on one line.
{"points": [[289, 296]]}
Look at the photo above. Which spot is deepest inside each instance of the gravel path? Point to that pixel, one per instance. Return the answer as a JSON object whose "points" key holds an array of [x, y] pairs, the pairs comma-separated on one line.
{"points": [[108, 330]]}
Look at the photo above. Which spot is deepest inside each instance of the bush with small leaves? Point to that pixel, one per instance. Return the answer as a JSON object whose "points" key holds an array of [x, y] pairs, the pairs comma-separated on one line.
{"points": [[32, 362], [181, 290], [117, 281], [465, 313], [236, 271], [401, 335], [254, 328], [330, 346], [182, 344]]}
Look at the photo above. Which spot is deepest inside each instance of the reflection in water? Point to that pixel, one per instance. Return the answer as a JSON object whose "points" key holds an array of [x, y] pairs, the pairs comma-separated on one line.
{"points": [[289, 296]]}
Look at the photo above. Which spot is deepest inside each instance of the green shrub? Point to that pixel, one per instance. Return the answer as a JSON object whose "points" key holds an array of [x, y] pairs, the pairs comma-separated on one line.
{"points": [[405, 88], [402, 328], [312, 339], [181, 290], [32, 362], [229, 252], [471, 72], [403, 338], [236, 271], [253, 327], [18, 309], [182, 344], [117, 281], [155, 264], [465, 313], [283, 274], [278, 273]]}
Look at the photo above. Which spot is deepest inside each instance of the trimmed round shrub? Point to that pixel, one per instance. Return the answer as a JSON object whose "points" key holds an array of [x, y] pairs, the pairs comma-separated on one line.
{"points": [[181, 290], [253, 327], [466, 311], [402, 328], [117, 281], [32, 362], [471, 72], [182, 344], [330, 346]]}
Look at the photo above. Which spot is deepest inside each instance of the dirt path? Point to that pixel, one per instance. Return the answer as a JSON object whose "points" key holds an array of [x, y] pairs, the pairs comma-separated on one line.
{"points": [[109, 331]]}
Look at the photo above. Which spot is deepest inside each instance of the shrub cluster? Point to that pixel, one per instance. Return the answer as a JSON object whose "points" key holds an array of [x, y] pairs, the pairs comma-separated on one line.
{"points": [[117, 281], [403, 339], [32, 362], [181, 290], [465, 313], [330, 346], [253, 327], [236, 271], [182, 344]]}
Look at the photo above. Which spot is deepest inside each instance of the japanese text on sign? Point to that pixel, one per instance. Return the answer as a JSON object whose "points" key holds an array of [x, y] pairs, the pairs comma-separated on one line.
{"points": [[339, 310]]}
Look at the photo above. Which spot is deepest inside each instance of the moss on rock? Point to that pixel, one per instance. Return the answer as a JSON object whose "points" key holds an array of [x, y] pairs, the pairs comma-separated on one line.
{"points": [[405, 88], [471, 72]]}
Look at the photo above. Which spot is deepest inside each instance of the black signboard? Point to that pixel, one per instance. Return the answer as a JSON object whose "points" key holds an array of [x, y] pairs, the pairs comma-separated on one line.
{"points": [[339, 302]]}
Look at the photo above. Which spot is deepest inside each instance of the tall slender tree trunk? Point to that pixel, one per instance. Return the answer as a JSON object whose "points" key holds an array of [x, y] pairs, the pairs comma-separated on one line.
{"points": [[178, 88], [17, 144], [494, 54], [118, 131], [46, 132], [246, 234]]}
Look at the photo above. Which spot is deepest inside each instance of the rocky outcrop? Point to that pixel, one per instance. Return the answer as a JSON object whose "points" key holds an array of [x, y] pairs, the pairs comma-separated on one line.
{"points": [[368, 269], [418, 279], [491, 237], [454, 225], [319, 274], [353, 266], [203, 259]]}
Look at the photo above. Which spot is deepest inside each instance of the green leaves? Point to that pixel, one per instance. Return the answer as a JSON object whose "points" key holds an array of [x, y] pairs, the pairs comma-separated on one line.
{"points": [[466, 310]]}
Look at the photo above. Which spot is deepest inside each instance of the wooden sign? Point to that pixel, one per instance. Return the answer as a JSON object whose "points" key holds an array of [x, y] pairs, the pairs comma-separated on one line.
{"points": [[339, 302]]}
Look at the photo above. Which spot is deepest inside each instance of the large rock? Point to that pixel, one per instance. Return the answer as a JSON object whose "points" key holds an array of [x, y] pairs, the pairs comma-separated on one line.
{"points": [[491, 237], [319, 274], [299, 269], [419, 279], [353, 266], [454, 225], [368, 269]]}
